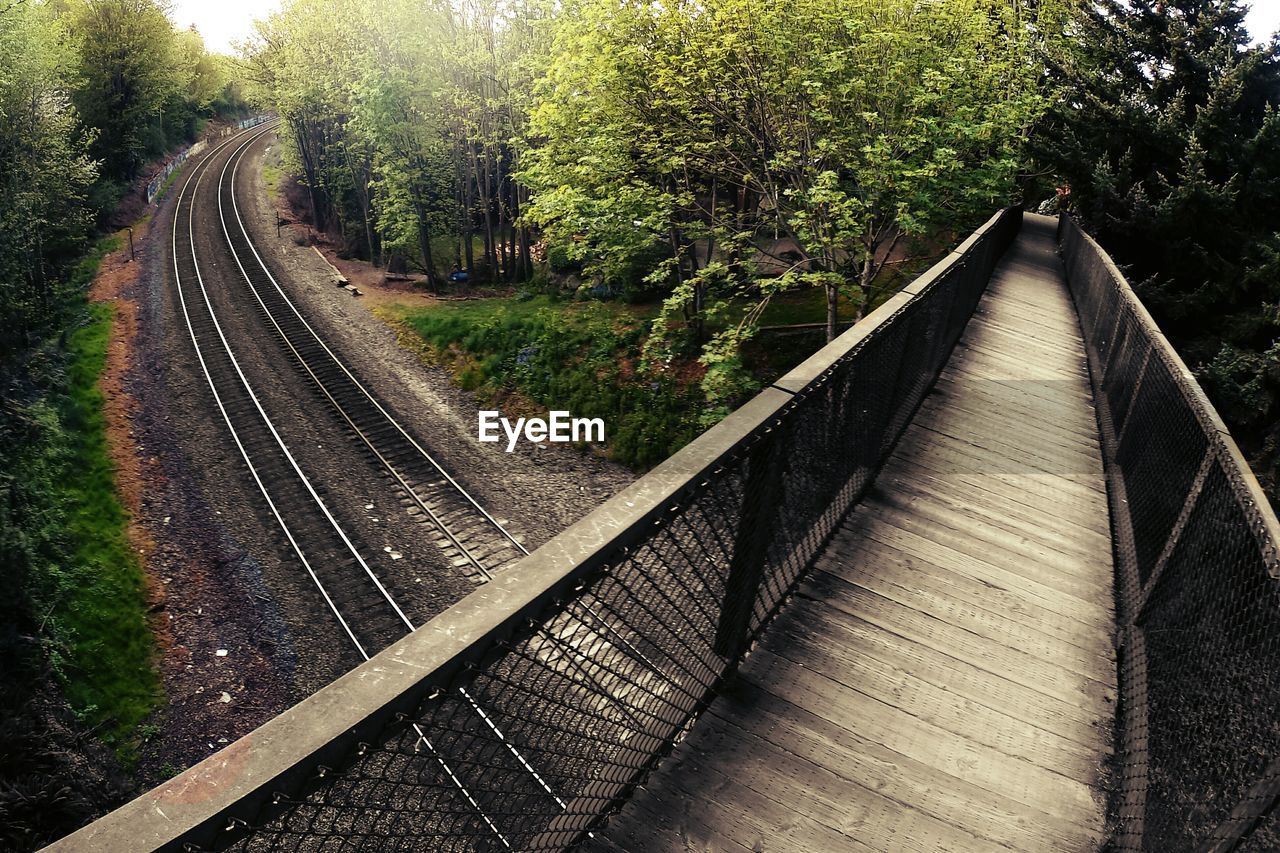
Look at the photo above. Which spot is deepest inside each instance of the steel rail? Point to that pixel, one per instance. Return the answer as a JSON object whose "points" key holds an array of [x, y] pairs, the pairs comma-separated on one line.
{"points": [[237, 158], [444, 765], [235, 434], [284, 449], [383, 454], [217, 396]]}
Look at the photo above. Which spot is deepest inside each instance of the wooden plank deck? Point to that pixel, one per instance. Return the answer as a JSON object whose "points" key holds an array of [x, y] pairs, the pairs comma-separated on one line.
{"points": [[945, 679]]}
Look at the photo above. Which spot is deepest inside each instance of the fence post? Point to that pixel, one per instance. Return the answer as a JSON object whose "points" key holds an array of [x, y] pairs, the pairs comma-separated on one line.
{"points": [[761, 497]]}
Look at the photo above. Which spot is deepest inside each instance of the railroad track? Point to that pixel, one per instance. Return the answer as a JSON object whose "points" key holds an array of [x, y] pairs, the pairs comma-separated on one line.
{"points": [[365, 609], [353, 593], [472, 539]]}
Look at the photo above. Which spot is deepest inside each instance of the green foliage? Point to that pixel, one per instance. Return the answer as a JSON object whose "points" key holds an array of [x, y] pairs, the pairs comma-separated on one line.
{"points": [[81, 574], [140, 87], [581, 357], [405, 119], [97, 599], [683, 136], [127, 56], [72, 610], [1167, 133], [44, 177]]}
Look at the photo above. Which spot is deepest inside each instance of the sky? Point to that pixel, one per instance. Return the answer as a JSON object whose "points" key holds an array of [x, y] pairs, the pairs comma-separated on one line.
{"points": [[1264, 19], [222, 22]]}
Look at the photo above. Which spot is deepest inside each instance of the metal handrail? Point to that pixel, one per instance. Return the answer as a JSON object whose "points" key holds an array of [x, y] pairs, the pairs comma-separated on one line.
{"points": [[1193, 533]]}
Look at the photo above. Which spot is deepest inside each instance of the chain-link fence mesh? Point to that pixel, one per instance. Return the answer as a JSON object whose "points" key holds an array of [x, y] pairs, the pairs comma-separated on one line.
{"points": [[1196, 548], [532, 738]]}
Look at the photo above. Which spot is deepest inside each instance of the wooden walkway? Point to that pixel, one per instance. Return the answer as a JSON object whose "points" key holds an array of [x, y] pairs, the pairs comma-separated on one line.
{"points": [[945, 679]]}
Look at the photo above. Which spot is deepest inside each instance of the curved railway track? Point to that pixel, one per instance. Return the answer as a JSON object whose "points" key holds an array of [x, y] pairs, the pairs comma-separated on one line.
{"points": [[471, 538], [353, 593], [366, 610]]}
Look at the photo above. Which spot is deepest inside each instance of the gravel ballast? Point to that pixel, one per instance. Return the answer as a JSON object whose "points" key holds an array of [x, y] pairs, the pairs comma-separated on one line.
{"points": [[248, 635]]}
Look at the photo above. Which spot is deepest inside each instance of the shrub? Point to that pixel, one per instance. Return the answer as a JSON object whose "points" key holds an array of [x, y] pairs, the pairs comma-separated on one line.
{"points": [[581, 357]]}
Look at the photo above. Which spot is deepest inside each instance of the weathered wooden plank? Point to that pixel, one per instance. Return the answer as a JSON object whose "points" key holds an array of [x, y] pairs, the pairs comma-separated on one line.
{"points": [[983, 813], [932, 599], [992, 345], [1084, 488], [985, 456], [1044, 527], [998, 336], [881, 567], [1009, 537], [712, 804], [1006, 402], [1035, 498], [979, 362], [990, 401], [971, 538], [1074, 452], [761, 763], [945, 677], [847, 643], [1005, 442], [1015, 777], [987, 571], [651, 821], [963, 703]]}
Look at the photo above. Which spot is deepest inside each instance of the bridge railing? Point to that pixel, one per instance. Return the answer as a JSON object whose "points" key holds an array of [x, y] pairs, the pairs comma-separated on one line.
{"points": [[1197, 549], [522, 716]]}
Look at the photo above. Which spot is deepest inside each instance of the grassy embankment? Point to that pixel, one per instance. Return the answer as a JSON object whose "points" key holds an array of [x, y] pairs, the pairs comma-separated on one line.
{"points": [[527, 355], [86, 583]]}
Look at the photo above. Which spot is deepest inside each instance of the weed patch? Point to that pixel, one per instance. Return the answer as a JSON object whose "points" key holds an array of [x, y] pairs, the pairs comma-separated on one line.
{"points": [[103, 646], [533, 354]]}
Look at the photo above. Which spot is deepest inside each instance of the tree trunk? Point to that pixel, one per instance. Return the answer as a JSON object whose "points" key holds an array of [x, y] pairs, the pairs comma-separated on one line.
{"points": [[480, 166], [867, 276], [833, 311], [525, 240], [509, 229], [308, 168], [424, 245], [457, 207], [468, 205]]}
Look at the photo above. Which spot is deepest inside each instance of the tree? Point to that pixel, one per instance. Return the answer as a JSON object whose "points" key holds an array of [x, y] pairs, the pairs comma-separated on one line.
{"points": [[128, 68], [706, 130], [406, 118], [44, 173], [1167, 133]]}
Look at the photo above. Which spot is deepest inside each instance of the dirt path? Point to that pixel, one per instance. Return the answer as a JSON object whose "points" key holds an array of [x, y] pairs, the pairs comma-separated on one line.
{"points": [[541, 488]]}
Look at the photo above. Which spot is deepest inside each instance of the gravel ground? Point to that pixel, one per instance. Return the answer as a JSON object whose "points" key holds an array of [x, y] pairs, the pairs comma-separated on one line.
{"points": [[211, 547], [229, 583]]}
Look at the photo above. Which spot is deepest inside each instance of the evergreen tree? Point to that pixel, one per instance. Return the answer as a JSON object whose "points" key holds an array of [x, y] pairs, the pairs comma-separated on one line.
{"points": [[1167, 133]]}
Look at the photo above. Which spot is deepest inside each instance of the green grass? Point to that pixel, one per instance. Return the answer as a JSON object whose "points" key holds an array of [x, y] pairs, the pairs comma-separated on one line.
{"points": [[527, 355], [103, 646], [802, 306], [530, 355], [272, 177]]}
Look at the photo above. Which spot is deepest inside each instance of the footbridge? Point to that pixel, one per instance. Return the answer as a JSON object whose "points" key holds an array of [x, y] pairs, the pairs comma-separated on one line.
{"points": [[985, 573]]}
